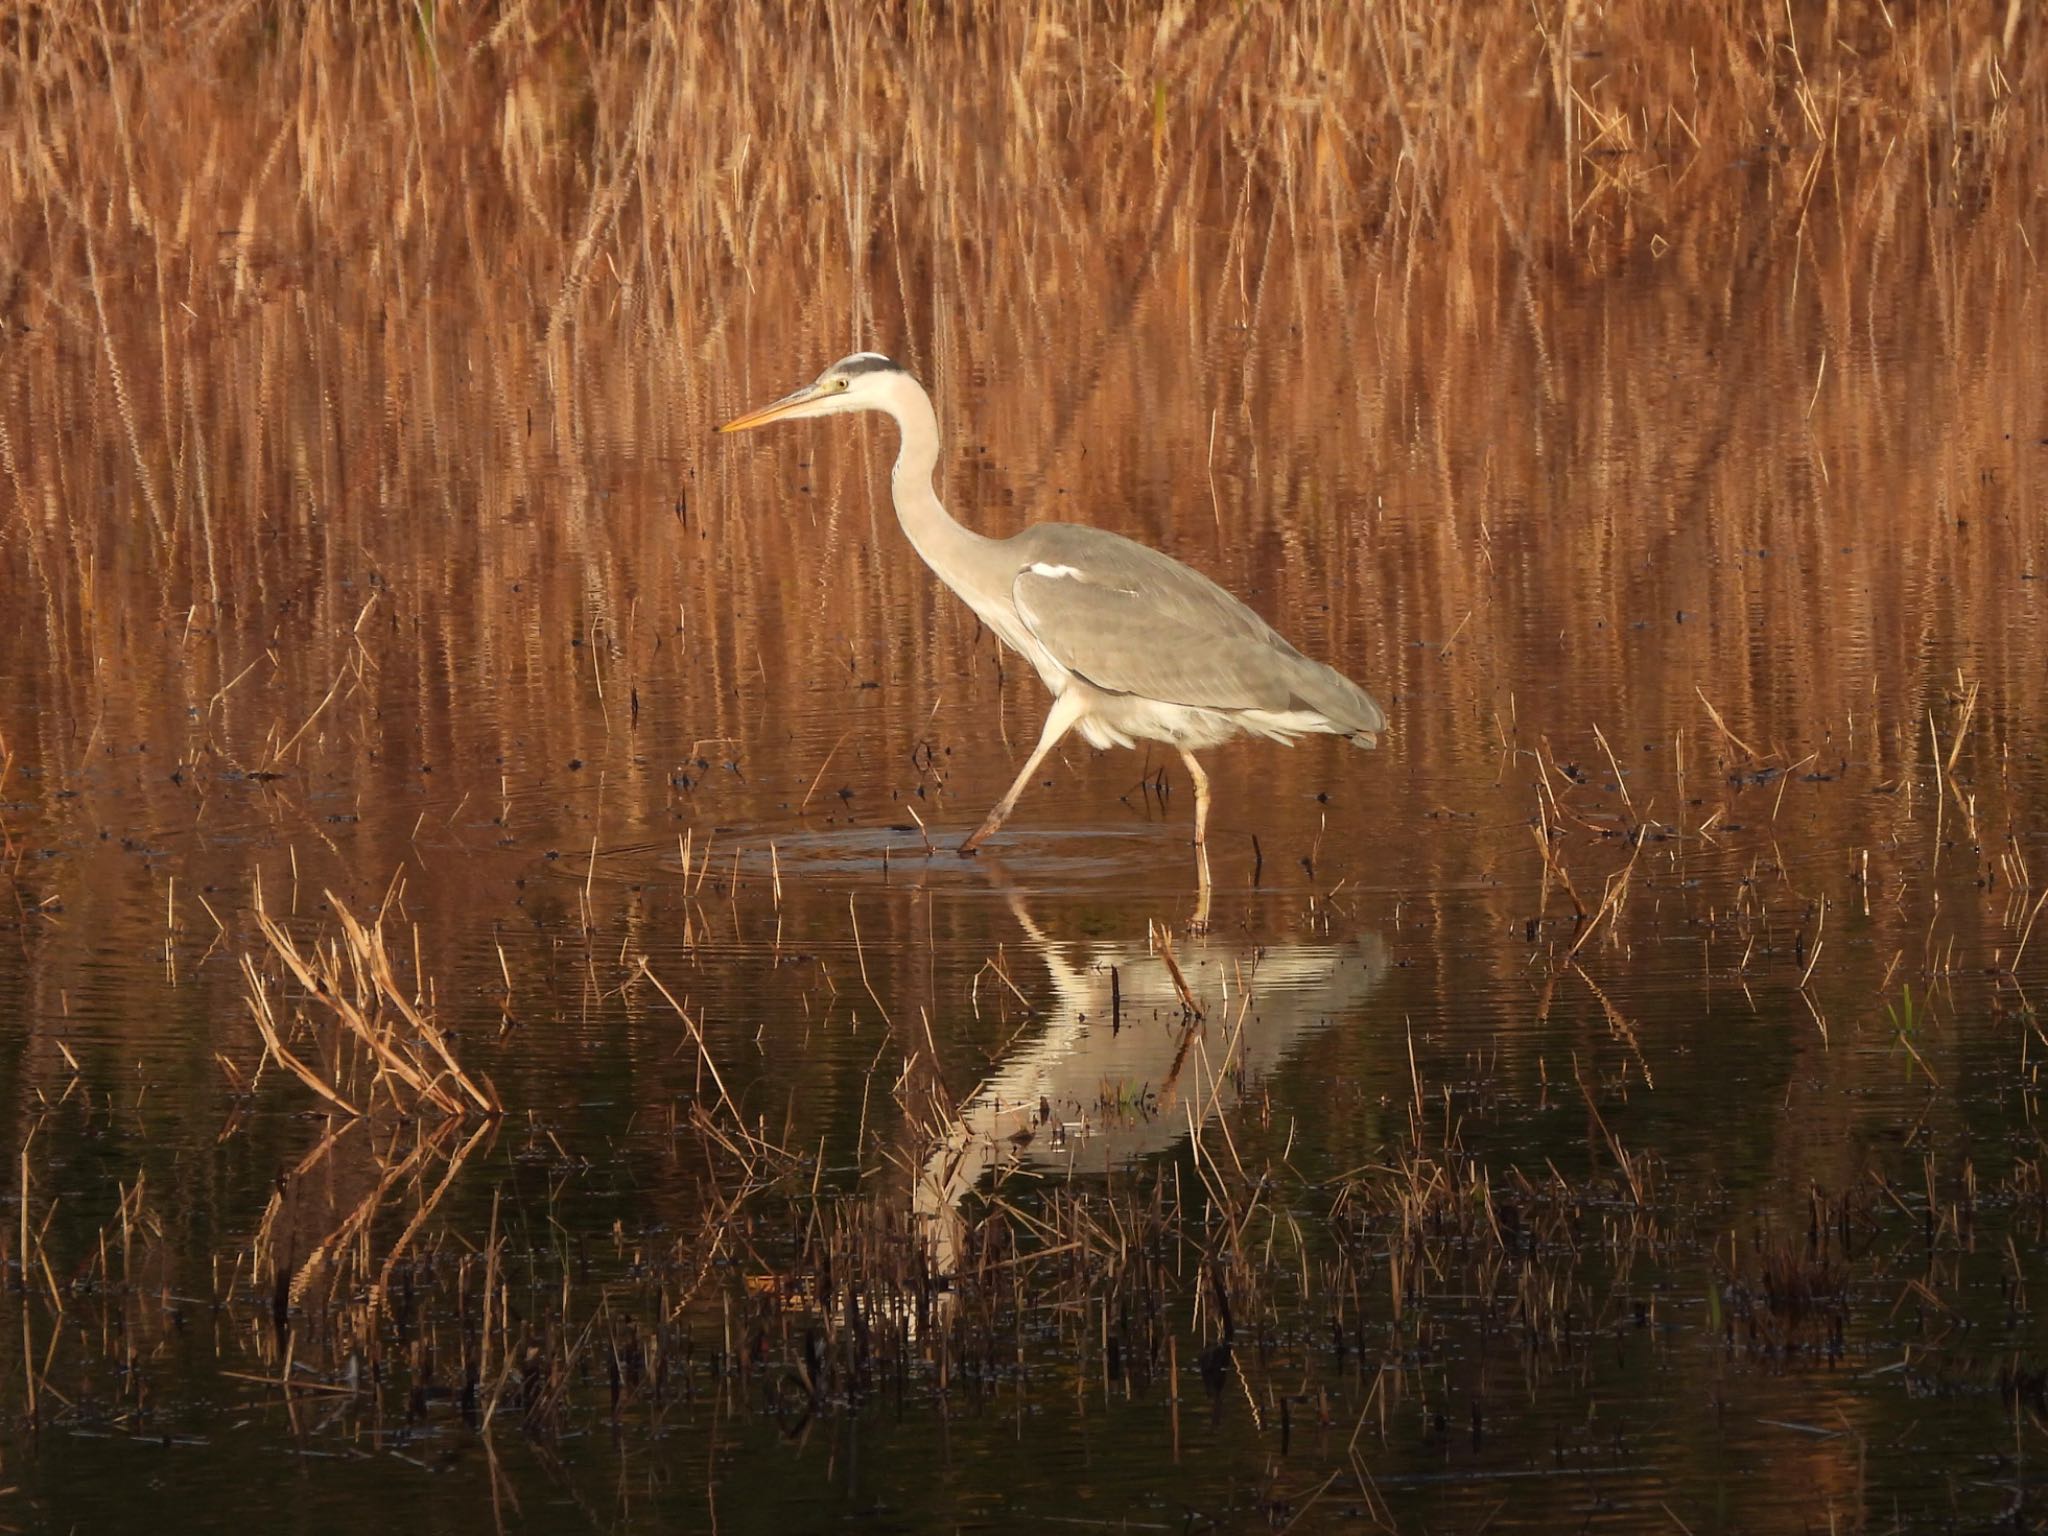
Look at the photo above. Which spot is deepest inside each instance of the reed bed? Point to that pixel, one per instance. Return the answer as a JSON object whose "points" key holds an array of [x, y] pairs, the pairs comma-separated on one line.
{"points": [[353, 425], [359, 322]]}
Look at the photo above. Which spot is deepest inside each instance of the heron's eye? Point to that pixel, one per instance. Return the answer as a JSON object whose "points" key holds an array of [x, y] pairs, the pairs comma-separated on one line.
{"points": [[842, 384]]}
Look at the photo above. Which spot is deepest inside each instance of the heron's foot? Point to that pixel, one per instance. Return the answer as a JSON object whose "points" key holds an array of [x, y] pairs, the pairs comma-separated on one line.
{"points": [[985, 831]]}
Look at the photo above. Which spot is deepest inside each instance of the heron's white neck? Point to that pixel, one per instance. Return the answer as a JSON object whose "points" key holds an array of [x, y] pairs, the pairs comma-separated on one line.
{"points": [[952, 551]]}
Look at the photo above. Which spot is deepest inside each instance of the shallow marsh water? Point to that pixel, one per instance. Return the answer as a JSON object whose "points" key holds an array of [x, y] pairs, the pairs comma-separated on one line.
{"points": [[1696, 535]]}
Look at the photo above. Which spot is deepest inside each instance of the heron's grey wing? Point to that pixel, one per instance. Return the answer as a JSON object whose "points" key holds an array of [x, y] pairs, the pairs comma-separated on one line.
{"points": [[1131, 620]]}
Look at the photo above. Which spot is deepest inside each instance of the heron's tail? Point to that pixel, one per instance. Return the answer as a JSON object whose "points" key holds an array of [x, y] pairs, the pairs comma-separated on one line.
{"points": [[1352, 712]]}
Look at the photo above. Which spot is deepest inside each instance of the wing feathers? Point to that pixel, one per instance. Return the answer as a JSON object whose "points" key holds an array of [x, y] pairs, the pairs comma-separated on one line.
{"points": [[1131, 620]]}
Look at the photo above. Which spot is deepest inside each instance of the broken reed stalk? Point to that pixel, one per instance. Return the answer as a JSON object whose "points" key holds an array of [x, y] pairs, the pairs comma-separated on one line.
{"points": [[819, 776], [354, 979], [1553, 866], [1721, 725], [756, 1145], [368, 945], [266, 1024], [1610, 900], [2027, 933], [1162, 941]]}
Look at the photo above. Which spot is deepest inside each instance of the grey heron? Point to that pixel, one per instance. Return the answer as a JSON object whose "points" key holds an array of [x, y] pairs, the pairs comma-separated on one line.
{"points": [[1132, 643]]}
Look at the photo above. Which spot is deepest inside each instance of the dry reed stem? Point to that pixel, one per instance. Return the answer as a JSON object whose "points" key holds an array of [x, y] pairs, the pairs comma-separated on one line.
{"points": [[1611, 899], [258, 995], [1162, 943], [368, 945], [1721, 725], [323, 977], [359, 988]]}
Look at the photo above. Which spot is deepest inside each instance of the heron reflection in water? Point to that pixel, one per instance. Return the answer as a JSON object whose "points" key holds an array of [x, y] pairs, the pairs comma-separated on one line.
{"points": [[1123, 1067], [1132, 643]]}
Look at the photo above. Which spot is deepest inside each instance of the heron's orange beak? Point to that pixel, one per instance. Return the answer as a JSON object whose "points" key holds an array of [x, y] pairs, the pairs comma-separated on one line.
{"points": [[786, 406]]}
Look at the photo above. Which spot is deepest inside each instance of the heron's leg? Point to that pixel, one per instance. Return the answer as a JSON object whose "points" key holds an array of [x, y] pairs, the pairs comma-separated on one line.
{"points": [[1201, 781], [1066, 709], [1200, 921]]}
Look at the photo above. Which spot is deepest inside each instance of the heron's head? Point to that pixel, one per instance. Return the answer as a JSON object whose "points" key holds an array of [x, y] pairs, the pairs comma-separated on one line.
{"points": [[865, 381]]}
